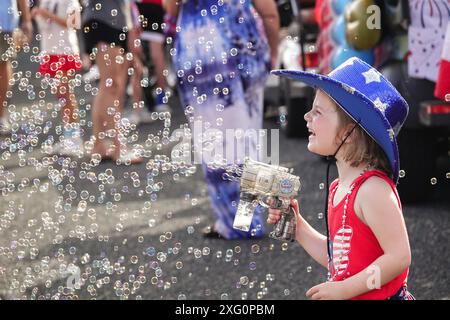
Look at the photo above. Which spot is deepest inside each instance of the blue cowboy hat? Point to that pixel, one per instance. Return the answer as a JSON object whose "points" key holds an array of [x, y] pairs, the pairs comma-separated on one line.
{"points": [[367, 97]]}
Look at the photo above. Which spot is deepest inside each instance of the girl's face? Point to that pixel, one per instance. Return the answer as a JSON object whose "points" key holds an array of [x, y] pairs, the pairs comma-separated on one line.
{"points": [[323, 125]]}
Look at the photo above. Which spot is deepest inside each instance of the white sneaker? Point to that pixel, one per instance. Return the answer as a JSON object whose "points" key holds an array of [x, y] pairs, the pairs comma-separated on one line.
{"points": [[71, 147], [5, 127], [134, 117]]}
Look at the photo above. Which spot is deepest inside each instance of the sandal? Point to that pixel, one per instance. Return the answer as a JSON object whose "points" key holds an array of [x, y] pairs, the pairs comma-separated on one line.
{"points": [[211, 232]]}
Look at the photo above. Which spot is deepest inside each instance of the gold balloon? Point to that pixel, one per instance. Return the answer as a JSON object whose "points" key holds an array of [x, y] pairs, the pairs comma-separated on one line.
{"points": [[362, 24]]}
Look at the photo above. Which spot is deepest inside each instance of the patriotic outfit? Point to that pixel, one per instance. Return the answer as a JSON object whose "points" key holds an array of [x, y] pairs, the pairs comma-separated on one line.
{"points": [[222, 62], [59, 45], [353, 244], [378, 108]]}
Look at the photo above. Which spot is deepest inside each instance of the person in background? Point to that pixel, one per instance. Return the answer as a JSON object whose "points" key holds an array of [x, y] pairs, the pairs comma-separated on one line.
{"points": [[109, 33], [140, 113], [9, 23], [59, 59], [152, 13], [222, 55]]}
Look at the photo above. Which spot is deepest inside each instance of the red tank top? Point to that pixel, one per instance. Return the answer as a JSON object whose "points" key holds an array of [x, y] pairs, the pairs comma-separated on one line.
{"points": [[354, 246]]}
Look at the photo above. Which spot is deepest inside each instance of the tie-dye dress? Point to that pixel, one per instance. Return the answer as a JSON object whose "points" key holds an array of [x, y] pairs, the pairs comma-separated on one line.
{"points": [[221, 58]]}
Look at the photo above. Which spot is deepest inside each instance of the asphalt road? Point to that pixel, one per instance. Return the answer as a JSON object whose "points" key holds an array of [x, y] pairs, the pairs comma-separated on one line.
{"points": [[139, 246]]}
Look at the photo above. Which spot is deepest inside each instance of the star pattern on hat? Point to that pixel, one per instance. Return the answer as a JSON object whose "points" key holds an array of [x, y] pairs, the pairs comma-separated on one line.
{"points": [[397, 127], [347, 88], [372, 76], [380, 105], [391, 134], [347, 63]]}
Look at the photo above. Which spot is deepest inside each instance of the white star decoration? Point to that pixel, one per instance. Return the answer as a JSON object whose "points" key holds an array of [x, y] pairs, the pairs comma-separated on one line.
{"points": [[371, 76], [391, 134], [380, 105], [343, 65], [348, 88]]}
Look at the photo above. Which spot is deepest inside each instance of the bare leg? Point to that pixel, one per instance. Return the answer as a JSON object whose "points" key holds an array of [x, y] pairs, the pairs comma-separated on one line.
{"points": [[5, 75], [107, 107], [157, 54], [110, 94], [136, 83], [70, 102]]}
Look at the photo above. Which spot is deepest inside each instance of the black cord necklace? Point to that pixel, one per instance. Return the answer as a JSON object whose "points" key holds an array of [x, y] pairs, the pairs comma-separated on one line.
{"points": [[332, 159]]}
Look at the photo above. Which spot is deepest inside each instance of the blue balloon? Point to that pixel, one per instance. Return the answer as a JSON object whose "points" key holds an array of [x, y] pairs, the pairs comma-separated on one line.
{"points": [[338, 31], [339, 6], [342, 53]]}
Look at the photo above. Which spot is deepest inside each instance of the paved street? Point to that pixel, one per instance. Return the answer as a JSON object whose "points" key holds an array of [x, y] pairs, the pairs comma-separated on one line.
{"points": [[124, 236]]}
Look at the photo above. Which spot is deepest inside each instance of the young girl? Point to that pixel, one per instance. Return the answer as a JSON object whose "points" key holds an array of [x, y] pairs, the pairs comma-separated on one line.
{"points": [[57, 21], [356, 116]]}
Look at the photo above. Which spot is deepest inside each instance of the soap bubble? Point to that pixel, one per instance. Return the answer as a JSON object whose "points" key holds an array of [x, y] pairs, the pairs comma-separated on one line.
{"points": [[255, 248], [243, 280]]}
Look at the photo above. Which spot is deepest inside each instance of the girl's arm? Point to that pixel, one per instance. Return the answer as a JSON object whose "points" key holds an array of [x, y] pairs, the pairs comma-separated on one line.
{"points": [[312, 241], [269, 14], [381, 212]]}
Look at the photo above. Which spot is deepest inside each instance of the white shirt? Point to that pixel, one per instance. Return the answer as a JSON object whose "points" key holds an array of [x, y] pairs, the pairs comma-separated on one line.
{"points": [[55, 39], [426, 35]]}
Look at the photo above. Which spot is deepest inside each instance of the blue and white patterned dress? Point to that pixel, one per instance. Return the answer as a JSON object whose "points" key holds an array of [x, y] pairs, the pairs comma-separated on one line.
{"points": [[222, 61]]}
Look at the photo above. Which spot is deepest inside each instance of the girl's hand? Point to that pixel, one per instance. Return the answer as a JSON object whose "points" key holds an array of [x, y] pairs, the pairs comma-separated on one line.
{"points": [[327, 291], [275, 214]]}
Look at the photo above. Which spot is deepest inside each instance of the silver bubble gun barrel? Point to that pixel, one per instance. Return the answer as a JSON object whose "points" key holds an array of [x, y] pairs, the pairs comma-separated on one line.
{"points": [[262, 183]]}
